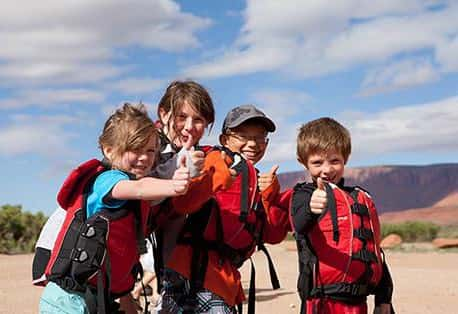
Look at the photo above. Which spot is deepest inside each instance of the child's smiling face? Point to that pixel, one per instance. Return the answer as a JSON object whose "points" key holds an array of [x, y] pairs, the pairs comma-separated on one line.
{"points": [[187, 122], [249, 139], [139, 162], [328, 166]]}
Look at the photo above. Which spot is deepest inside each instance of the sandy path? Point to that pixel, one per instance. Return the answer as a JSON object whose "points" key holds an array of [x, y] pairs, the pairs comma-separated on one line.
{"points": [[424, 282]]}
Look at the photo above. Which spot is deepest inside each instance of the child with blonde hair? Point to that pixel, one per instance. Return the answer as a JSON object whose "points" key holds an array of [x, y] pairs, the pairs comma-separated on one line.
{"points": [[96, 254]]}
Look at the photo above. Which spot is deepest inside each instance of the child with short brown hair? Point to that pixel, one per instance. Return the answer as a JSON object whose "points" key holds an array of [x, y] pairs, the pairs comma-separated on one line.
{"points": [[225, 223], [337, 229]]}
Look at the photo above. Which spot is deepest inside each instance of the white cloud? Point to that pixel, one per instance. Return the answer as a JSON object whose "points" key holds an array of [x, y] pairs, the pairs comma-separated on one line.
{"points": [[55, 40], [312, 38], [43, 135], [275, 102], [427, 127], [447, 55], [399, 75], [51, 98], [137, 86]]}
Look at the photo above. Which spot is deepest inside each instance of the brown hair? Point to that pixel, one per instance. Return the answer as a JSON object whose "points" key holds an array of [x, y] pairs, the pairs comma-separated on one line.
{"points": [[179, 92], [128, 129], [322, 135]]}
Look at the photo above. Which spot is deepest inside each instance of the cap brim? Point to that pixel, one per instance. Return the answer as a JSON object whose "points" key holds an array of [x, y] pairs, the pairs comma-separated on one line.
{"points": [[268, 124]]}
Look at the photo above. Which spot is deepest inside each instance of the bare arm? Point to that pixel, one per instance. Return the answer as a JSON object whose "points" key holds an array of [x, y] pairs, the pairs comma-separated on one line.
{"points": [[150, 189]]}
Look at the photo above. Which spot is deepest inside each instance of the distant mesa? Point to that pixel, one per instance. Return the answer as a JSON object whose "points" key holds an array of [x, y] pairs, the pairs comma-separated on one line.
{"points": [[402, 193]]}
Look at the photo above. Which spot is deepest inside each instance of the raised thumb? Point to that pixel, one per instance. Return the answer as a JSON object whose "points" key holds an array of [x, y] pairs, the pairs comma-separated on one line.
{"points": [[182, 161], [274, 169], [320, 184]]}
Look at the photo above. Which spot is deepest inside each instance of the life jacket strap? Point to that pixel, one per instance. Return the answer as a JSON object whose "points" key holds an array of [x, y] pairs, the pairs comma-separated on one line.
{"points": [[272, 272], [365, 256], [363, 234], [342, 290], [333, 209], [359, 209]]}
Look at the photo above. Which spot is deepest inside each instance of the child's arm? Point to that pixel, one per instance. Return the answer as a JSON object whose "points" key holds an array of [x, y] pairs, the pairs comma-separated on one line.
{"points": [[277, 221], [384, 292], [152, 188], [302, 217]]}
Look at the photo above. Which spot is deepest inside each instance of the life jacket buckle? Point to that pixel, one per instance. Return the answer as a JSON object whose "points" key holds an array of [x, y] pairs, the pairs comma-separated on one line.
{"points": [[79, 255], [88, 231]]}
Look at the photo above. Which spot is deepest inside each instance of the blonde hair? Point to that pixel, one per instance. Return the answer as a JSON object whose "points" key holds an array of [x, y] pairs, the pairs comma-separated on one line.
{"points": [[322, 135], [128, 129]]}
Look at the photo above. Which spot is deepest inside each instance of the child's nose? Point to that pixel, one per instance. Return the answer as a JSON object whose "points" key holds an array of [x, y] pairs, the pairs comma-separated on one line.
{"points": [[188, 124], [143, 156], [326, 168]]}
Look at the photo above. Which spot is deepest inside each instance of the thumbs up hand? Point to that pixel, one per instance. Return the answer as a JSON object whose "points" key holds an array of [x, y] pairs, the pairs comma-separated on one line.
{"points": [[181, 177], [266, 179], [318, 201], [194, 158]]}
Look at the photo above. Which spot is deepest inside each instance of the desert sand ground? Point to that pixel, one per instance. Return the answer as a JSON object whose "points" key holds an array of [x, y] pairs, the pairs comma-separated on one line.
{"points": [[425, 282]]}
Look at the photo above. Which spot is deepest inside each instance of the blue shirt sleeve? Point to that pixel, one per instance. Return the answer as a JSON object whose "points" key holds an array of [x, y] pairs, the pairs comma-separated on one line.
{"points": [[102, 187]]}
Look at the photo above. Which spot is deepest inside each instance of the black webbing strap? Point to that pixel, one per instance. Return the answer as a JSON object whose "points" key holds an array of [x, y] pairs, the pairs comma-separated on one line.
{"points": [[158, 257], [333, 209], [141, 244], [196, 224], [273, 274], [90, 299], [99, 303], [252, 290], [139, 273], [101, 294], [365, 256], [244, 191], [359, 209], [344, 290], [363, 234]]}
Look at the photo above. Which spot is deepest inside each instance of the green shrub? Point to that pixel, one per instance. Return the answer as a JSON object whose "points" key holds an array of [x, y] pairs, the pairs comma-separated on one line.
{"points": [[19, 231], [412, 231], [449, 231]]}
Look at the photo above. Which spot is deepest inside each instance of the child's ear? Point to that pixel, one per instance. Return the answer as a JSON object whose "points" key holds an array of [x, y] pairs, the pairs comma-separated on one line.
{"points": [[164, 115], [108, 153], [302, 163], [223, 139], [346, 160]]}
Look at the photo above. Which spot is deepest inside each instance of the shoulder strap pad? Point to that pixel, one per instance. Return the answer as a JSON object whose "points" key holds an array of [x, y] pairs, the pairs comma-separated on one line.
{"points": [[77, 178], [298, 197]]}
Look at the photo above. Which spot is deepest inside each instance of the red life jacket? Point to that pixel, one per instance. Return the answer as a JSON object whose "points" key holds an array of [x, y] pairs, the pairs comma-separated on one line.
{"points": [[340, 256], [100, 251], [231, 224]]}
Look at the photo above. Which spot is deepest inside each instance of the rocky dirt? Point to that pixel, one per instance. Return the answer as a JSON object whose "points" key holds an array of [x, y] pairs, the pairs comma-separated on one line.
{"points": [[426, 281]]}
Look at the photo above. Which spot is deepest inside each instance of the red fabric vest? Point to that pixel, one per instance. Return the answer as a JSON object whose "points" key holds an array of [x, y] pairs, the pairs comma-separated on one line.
{"points": [[234, 231], [339, 261], [119, 227]]}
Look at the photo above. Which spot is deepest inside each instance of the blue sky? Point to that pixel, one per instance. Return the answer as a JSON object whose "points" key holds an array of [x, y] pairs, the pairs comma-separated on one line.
{"points": [[386, 69]]}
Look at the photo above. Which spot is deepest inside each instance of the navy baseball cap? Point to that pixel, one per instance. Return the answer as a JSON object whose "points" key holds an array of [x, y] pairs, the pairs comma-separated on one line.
{"points": [[243, 113]]}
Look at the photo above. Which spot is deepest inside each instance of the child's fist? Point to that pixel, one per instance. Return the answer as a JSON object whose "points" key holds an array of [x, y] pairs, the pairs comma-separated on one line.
{"points": [[318, 201]]}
